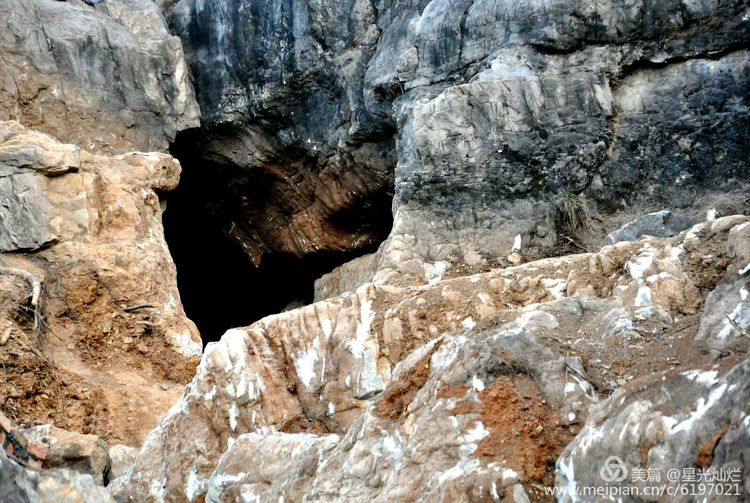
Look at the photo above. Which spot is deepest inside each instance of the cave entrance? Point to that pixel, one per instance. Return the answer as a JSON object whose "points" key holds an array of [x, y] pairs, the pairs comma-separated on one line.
{"points": [[219, 285]]}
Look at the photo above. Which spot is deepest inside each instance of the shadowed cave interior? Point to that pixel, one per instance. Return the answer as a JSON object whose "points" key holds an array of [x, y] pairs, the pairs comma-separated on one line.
{"points": [[219, 285]]}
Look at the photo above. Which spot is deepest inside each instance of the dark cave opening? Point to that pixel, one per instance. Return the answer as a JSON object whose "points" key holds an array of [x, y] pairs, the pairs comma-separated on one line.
{"points": [[219, 286]]}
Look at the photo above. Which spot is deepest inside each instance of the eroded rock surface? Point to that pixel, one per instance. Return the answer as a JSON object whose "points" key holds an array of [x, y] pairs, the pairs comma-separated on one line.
{"points": [[121, 458], [465, 389], [25, 485], [81, 453], [429, 369], [501, 112], [108, 78], [662, 224], [695, 420], [87, 229]]}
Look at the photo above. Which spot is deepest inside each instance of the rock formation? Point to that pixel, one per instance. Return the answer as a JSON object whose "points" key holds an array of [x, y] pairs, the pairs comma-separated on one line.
{"points": [[87, 230], [470, 147], [500, 111], [81, 453], [55, 486], [109, 79], [463, 390], [667, 422]]}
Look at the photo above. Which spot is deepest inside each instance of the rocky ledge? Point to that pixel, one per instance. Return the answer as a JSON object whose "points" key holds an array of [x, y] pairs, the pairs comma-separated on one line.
{"points": [[500, 385]]}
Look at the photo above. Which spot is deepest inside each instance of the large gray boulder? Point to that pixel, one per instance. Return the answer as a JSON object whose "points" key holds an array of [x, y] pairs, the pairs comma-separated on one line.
{"points": [[662, 224]]}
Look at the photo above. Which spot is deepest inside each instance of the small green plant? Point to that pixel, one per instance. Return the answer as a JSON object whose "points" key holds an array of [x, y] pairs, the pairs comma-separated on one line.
{"points": [[572, 212]]}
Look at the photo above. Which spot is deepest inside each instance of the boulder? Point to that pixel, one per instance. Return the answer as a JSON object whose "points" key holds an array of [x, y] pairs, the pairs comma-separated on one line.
{"points": [[23, 485], [66, 449], [689, 427], [347, 277], [18, 447], [725, 324], [662, 224]]}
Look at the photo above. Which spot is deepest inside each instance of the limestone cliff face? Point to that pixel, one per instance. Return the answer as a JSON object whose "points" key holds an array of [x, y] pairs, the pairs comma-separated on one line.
{"points": [[431, 369], [109, 78], [499, 111], [308, 166]]}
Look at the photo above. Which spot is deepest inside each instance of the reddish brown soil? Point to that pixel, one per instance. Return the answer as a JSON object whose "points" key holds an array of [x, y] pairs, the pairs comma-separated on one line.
{"points": [[524, 436], [102, 333], [707, 260], [397, 398], [74, 370]]}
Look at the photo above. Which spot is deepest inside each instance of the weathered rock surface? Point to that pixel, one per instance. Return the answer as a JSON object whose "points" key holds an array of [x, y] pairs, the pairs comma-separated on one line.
{"points": [[18, 447], [121, 458], [347, 277], [661, 224], [499, 110], [288, 459], [304, 166], [513, 183], [429, 369], [23, 485], [87, 229], [695, 420], [65, 449], [108, 78], [725, 323], [465, 389]]}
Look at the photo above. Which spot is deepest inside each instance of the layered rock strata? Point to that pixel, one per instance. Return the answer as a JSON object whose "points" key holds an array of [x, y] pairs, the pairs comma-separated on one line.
{"points": [[556, 121]]}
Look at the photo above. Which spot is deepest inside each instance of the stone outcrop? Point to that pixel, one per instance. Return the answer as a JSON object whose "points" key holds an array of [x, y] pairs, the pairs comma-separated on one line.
{"points": [[108, 78], [501, 112], [86, 230], [81, 453], [304, 166], [347, 277], [458, 362], [22, 456], [662, 224], [694, 420], [726, 322], [464, 389], [25, 485]]}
